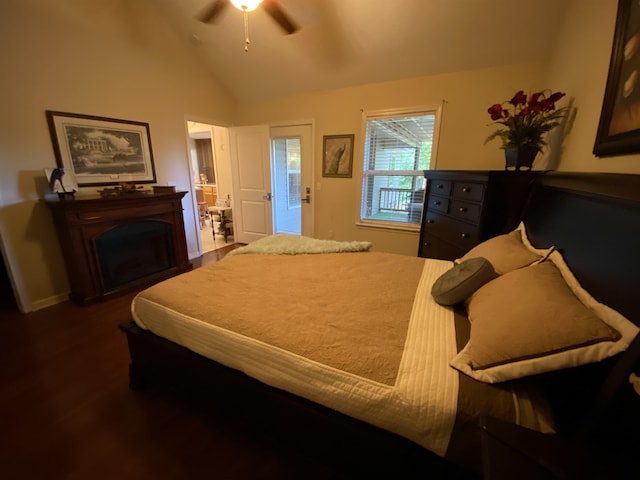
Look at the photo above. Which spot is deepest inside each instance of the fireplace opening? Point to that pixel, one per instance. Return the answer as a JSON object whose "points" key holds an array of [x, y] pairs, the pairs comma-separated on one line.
{"points": [[133, 251]]}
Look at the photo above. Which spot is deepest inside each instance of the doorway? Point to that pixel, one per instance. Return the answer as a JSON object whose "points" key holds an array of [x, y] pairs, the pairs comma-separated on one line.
{"points": [[292, 179], [286, 160], [254, 186], [211, 184]]}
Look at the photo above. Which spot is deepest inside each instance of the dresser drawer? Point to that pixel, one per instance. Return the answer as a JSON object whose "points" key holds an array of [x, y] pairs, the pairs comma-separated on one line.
{"points": [[462, 234], [474, 205], [468, 191], [466, 211], [440, 187], [433, 247], [440, 204]]}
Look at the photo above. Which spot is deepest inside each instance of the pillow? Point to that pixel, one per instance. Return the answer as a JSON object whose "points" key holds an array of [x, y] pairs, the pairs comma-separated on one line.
{"points": [[610, 316], [530, 321], [459, 283], [508, 252]]}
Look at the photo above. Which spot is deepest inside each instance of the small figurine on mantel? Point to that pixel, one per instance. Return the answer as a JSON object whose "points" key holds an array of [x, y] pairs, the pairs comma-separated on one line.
{"points": [[129, 187], [56, 184]]}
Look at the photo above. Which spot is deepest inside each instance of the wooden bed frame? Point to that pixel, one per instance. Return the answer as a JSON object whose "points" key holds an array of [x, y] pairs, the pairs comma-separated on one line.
{"points": [[593, 219]]}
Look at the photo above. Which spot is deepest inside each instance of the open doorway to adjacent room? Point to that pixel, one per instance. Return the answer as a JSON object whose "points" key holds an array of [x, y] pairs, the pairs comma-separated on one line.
{"points": [[211, 183], [278, 158]]}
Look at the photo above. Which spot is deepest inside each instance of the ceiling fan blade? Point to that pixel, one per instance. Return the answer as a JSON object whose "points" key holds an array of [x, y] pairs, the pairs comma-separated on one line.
{"points": [[210, 14], [281, 18]]}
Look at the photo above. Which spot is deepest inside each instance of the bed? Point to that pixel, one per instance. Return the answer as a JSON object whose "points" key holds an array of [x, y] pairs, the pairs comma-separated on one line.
{"points": [[358, 391]]}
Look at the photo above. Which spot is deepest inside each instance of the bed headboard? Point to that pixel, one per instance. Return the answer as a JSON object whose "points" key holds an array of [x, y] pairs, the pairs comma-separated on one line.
{"points": [[594, 221]]}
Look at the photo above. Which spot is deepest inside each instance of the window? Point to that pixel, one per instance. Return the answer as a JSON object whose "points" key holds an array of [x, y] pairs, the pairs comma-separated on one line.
{"points": [[287, 165], [398, 147], [293, 172]]}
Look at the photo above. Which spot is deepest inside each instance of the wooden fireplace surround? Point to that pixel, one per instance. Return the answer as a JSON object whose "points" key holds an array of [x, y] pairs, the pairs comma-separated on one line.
{"points": [[81, 220]]}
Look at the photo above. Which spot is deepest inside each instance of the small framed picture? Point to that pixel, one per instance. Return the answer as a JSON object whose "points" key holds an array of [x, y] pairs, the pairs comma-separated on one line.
{"points": [[101, 151], [337, 156]]}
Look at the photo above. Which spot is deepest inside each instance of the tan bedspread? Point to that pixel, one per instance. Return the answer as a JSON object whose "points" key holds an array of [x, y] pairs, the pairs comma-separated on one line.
{"points": [[357, 332], [366, 338]]}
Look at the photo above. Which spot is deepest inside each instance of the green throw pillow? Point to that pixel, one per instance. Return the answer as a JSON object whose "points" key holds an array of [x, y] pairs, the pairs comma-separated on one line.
{"points": [[459, 283]]}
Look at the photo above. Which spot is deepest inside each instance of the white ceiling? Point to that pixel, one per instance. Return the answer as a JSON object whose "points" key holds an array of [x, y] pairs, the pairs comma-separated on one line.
{"points": [[350, 42]]}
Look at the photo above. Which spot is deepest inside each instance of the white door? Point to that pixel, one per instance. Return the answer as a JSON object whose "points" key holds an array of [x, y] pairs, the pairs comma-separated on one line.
{"points": [[291, 173], [251, 173]]}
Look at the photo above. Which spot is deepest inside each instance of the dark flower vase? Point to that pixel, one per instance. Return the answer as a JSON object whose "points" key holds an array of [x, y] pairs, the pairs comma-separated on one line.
{"points": [[519, 157]]}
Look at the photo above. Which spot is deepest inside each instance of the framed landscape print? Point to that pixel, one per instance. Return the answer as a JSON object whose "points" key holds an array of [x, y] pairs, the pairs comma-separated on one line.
{"points": [[337, 156], [101, 151]]}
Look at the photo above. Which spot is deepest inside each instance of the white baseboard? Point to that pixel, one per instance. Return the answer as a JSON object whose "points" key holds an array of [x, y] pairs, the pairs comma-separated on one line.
{"points": [[48, 302]]}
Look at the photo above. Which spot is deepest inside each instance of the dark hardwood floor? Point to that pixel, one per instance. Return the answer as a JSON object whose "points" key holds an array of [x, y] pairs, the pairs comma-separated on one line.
{"points": [[66, 410]]}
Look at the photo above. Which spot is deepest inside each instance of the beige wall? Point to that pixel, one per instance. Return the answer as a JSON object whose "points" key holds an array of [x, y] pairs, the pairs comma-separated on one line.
{"points": [[579, 67], [114, 59], [465, 97]]}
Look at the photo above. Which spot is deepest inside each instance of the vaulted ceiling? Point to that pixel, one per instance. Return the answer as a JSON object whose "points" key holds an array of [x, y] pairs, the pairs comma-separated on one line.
{"points": [[349, 42]]}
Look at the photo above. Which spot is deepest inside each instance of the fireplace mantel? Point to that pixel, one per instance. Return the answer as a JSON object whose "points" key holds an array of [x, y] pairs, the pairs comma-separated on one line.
{"points": [[120, 243]]}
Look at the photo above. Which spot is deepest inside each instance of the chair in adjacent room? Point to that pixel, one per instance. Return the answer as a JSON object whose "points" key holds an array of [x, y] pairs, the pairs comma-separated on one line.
{"points": [[203, 208], [222, 221]]}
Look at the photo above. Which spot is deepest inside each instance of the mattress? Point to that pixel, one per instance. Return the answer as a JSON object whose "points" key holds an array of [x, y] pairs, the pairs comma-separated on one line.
{"points": [[400, 380]]}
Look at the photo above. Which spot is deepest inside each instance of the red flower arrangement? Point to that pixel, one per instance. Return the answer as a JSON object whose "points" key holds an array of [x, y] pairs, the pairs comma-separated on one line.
{"points": [[526, 120]]}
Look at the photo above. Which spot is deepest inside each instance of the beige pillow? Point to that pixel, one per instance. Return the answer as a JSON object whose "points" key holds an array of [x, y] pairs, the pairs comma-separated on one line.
{"points": [[529, 321], [507, 252], [458, 283], [610, 316]]}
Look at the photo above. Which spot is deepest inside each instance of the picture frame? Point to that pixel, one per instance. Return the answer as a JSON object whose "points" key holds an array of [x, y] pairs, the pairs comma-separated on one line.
{"points": [[618, 131], [99, 151], [337, 155]]}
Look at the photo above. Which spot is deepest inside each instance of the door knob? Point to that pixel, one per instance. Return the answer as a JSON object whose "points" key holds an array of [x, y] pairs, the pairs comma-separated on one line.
{"points": [[307, 197], [267, 196]]}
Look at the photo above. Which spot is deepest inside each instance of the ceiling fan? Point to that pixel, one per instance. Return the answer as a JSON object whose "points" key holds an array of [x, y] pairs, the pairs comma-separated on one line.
{"points": [[211, 13]]}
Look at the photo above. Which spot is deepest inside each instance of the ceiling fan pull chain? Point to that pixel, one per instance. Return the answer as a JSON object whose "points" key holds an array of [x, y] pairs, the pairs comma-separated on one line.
{"points": [[246, 30]]}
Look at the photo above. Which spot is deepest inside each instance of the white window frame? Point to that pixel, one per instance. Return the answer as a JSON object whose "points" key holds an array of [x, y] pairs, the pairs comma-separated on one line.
{"points": [[294, 174], [434, 109]]}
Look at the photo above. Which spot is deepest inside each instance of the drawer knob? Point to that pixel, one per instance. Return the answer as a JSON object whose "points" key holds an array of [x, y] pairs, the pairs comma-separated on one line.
{"points": [[430, 220], [462, 209], [465, 235], [440, 186], [427, 244], [466, 189], [437, 202]]}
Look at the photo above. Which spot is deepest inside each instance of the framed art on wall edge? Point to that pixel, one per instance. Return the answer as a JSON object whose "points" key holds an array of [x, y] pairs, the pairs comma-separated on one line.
{"points": [[619, 127]]}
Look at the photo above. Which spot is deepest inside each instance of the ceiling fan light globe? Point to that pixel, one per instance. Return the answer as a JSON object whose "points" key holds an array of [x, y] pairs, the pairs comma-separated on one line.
{"points": [[246, 5]]}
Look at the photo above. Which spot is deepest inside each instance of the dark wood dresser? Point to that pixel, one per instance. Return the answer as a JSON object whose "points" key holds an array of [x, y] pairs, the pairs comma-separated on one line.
{"points": [[119, 243], [463, 208]]}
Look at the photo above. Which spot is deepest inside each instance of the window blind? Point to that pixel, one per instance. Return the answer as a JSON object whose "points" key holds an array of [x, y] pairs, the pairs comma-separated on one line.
{"points": [[397, 150]]}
